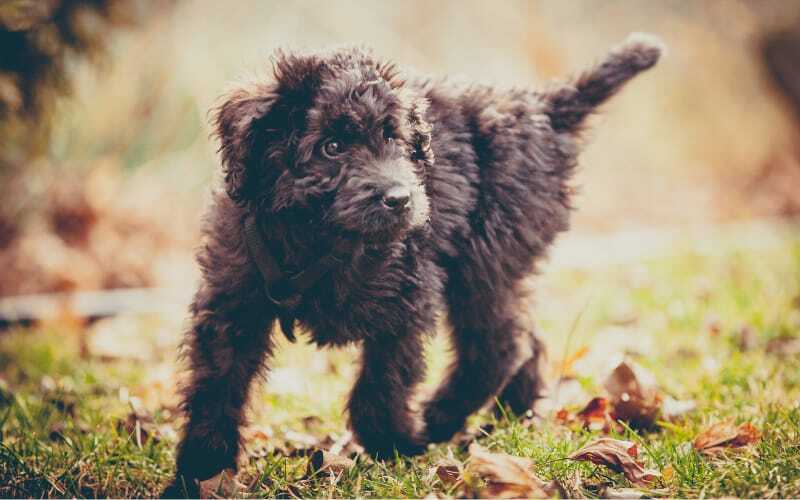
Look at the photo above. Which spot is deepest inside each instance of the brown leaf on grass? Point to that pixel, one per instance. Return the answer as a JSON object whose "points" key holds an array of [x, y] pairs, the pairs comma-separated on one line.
{"points": [[596, 415], [449, 473], [596, 409], [325, 461], [726, 434], [506, 476], [223, 485], [619, 456], [634, 396], [563, 416]]}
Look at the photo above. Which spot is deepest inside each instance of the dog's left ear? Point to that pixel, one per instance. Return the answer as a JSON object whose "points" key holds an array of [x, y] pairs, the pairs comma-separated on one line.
{"points": [[420, 131], [235, 121]]}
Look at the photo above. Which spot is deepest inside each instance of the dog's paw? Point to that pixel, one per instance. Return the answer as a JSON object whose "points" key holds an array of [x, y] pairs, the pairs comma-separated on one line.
{"points": [[388, 448], [441, 426], [204, 458]]}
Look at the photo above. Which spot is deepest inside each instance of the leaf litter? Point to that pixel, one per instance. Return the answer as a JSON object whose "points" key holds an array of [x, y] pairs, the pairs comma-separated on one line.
{"points": [[619, 456], [631, 395], [725, 435], [505, 476]]}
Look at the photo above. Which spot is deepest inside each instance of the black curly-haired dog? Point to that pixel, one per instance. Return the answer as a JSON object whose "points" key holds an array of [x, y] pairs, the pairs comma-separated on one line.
{"points": [[358, 205]]}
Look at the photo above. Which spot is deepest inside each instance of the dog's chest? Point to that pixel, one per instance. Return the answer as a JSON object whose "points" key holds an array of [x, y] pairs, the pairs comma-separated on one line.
{"points": [[348, 303]]}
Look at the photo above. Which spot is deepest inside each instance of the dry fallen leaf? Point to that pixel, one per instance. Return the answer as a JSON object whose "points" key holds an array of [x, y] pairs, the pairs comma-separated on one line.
{"points": [[726, 434], [619, 456], [506, 476], [449, 473], [564, 417], [596, 415], [223, 485], [633, 395], [325, 461]]}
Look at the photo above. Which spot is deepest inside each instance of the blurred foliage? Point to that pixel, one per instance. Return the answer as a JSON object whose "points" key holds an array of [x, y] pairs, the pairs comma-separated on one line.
{"points": [[39, 39]]}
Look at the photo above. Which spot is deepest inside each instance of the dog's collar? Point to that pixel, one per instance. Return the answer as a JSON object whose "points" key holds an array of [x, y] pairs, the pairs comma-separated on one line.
{"points": [[286, 290]]}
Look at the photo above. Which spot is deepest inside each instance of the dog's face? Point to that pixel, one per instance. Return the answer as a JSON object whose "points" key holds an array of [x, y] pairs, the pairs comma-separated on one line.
{"points": [[337, 138]]}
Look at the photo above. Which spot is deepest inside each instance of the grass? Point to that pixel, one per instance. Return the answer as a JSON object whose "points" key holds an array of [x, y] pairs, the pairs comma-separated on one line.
{"points": [[78, 425]]}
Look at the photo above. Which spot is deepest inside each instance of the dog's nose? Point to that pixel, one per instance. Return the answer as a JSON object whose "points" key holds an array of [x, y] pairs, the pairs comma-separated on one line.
{"points": [[397, 198]]}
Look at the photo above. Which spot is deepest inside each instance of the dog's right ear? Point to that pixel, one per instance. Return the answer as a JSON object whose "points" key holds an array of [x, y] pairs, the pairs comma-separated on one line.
{"points": [[235, 120], [260, 123]]}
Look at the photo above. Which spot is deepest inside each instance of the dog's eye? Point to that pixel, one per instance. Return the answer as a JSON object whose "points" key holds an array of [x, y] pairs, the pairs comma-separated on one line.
{"points": [[331, 149]]}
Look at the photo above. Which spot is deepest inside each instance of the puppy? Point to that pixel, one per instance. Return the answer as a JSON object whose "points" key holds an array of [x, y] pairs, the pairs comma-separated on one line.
{"points": [[358, 205]]}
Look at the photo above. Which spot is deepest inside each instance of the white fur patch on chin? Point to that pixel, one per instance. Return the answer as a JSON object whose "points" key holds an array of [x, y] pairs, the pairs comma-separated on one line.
{"points": [[223, 485]]}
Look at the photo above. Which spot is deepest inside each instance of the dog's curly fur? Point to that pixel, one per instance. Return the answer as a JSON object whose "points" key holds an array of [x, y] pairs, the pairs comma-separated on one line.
{"points": [[483, 177]]}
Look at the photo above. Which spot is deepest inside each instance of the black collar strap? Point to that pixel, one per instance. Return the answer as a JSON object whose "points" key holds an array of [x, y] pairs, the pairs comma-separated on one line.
{"points": [[286, 291]]}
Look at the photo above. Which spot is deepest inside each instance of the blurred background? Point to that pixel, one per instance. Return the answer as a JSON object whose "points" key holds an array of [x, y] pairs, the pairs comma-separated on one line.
{"points": [[107, 160]]}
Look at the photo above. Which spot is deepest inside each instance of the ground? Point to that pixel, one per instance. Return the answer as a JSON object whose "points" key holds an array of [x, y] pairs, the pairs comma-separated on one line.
{"points": [[715, 320]]}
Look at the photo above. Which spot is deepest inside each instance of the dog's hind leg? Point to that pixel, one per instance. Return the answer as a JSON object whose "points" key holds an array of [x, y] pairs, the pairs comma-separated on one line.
{"points": [[227, 346], [490, 346], [526, 386]]}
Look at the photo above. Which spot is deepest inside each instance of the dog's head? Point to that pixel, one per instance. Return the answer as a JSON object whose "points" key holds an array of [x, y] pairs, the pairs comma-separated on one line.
{"points": [[337, 137]]}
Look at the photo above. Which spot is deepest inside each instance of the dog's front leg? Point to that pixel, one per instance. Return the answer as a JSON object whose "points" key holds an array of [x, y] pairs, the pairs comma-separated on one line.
{"points": [[227, 347], [380, 415]]}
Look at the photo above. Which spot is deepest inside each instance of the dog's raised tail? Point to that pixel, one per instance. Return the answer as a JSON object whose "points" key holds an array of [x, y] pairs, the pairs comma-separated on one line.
{"points": [[569, 104]]}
